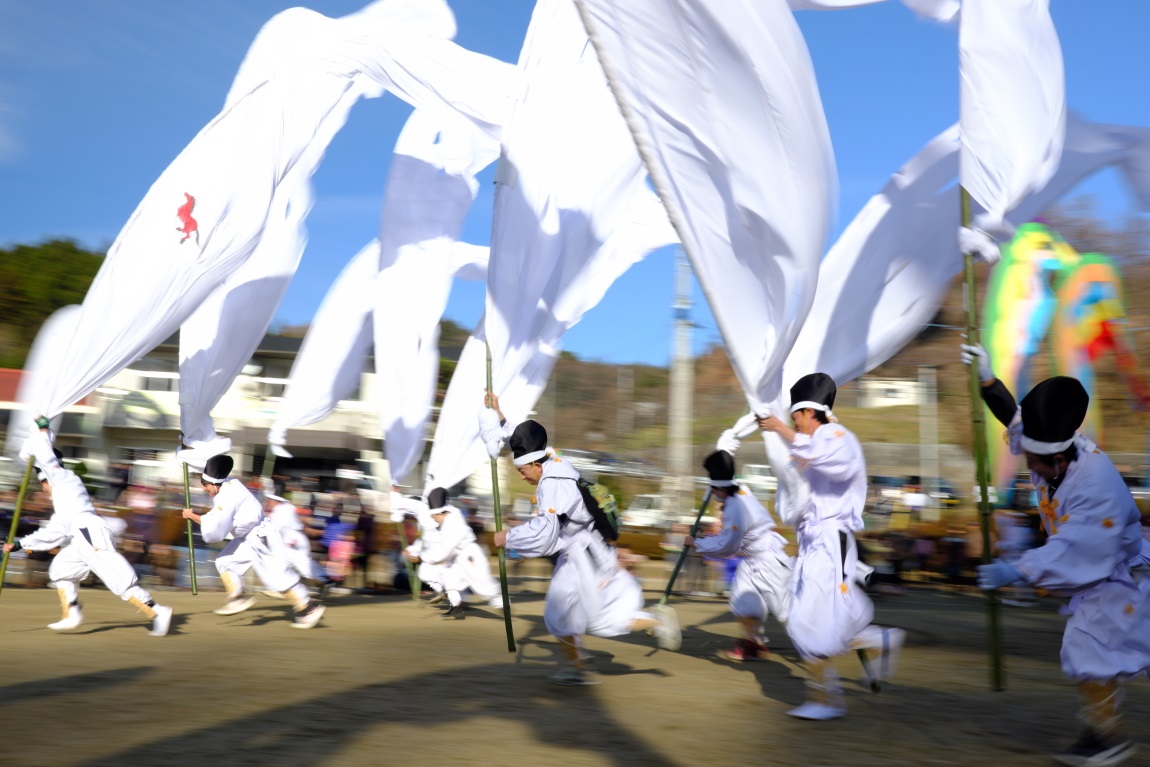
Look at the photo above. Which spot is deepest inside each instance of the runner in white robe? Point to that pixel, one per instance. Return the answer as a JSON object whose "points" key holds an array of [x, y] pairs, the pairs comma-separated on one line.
{"points": [[461, 563], [1094, 553], [763, 578], [236, 512], [589, 592], [430, 575], [830, 612], [293, 544], [87, 544]]}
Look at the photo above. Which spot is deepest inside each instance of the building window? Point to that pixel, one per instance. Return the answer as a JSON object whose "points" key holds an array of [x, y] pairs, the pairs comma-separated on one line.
{"points": [[160, 383], [140, 454]]}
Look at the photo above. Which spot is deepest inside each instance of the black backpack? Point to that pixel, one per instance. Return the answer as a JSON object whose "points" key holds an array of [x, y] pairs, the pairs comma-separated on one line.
{"points": [[602, 506]]}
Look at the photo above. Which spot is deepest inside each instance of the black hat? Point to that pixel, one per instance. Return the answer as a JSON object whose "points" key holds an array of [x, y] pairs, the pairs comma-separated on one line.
{"points": [[528, 442], [41, 474], [437, 500], [217, 469], [1051, 413], [815, 391], [720, 466]]}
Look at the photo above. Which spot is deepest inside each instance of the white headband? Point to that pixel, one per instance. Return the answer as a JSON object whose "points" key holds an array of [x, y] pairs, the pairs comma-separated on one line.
{"points": [[212, 480], [530, 457], [723, 483], [1044, 448], [810, 406]]}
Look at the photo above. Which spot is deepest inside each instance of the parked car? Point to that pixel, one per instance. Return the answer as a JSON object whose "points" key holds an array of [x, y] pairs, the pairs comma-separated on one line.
{"points": [[645, 511], [759, 479]]}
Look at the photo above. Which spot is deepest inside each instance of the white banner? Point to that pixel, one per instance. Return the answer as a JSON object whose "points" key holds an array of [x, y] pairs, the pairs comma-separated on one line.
{"points": [[431, 186], [458, 449], [206, 213], [1012, 102], [331, 359], [723, 102]]}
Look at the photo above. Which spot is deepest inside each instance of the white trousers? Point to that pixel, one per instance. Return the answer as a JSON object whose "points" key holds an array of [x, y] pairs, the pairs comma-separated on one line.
{"points": [[242, 554], [93, 550]]}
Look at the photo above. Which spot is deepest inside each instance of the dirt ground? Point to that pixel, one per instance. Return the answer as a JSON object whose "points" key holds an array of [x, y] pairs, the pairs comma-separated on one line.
{"points": [[386, 681]]}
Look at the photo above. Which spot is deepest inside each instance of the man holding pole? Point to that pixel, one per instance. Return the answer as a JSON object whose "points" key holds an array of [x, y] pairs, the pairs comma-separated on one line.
{"points": [[763, 578], [236, 512], [589, 592], [829, 611], [87, 544], [1094, 553]]}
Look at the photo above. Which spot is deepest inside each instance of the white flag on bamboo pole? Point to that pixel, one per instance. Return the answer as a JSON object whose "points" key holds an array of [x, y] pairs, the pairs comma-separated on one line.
{"points": [[430, 188], [331, 359], [723, 103], [886, 276], [458, 449], [40, 366], [568, 174], [1012, 103], [206, 213]]}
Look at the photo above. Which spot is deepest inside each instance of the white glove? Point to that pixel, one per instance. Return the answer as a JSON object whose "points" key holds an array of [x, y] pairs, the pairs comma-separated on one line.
{"points": [[979, 244], [491, 431], [728, 441], [974, 354], [996, 575]]}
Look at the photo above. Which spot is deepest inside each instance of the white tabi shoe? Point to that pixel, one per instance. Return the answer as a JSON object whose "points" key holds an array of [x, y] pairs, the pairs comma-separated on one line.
{"points": [[74, 619], [236, 606], [817, 711], [892, 642], [308, 618], [162, 622], [668, 635]]}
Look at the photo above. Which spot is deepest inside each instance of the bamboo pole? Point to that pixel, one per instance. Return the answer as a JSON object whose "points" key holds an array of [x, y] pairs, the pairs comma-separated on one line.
{"points": [[982, 461], [15, 519], [683, 554], [499, 528], [412, 578], [191, 540]]}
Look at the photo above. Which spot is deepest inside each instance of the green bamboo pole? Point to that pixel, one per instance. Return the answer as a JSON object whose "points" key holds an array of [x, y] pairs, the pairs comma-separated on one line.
{"points": [[982, 462], [683, 554], [191, 541], [412, 578], [15, 519], [499, 528]]}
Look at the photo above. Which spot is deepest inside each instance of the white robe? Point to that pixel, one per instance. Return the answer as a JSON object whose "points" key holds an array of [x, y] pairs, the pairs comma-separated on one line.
{"points": [[236, 511], [589, 592], [87, 544], [293, 544], [463, 563], [1095, 555], [763, 579], [829, 610]]}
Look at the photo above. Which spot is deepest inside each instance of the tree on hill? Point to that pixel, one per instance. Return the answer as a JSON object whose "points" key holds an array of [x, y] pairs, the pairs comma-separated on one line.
{"points": [[37, 280]]}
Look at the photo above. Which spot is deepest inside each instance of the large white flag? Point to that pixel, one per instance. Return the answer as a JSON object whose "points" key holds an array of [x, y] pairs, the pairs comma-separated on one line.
{"points": [[41, 365], [458, 448], [333, 354], [431, 186], [567, 175], [723, 102], [206, 213], [886, 276], [1012, 102]]}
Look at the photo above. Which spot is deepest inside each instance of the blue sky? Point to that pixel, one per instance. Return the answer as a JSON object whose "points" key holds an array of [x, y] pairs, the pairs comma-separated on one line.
{"points": [[97, 98]]}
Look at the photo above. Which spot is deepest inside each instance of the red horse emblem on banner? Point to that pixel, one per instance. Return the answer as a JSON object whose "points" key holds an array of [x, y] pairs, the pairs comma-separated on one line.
{"points": [[190, 228]]}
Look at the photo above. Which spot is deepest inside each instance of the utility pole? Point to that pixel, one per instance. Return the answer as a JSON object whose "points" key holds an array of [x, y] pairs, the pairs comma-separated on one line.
{"points": [[679, 487], [928, 441], [624, 411]]}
